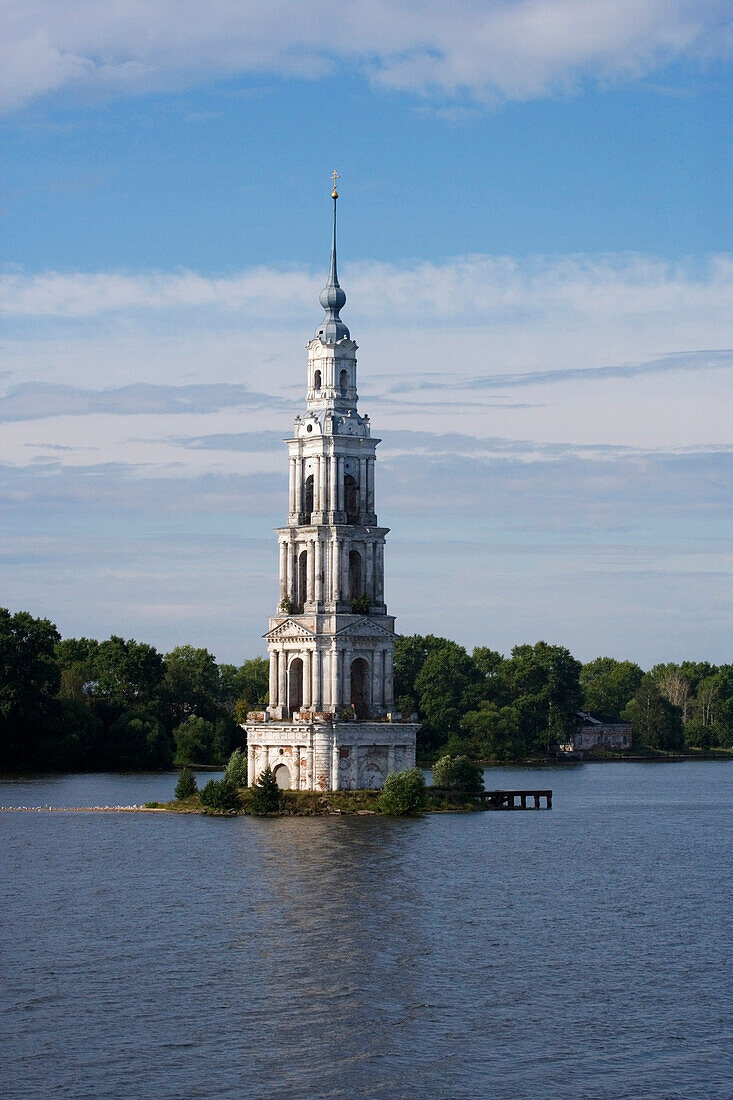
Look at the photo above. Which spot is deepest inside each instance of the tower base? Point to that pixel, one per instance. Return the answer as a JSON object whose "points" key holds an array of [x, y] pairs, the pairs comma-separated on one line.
{"points": [[329, 755]]}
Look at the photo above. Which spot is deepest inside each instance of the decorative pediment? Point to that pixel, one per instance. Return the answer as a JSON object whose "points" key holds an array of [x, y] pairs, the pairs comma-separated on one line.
{"points": [[288, 628], [365, 628]]}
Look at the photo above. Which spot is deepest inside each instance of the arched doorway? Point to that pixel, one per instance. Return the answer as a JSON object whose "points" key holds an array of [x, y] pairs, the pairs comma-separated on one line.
{"points": [[360, 688], [356, 585], [295, 684], [351, 499], [282, 777]]}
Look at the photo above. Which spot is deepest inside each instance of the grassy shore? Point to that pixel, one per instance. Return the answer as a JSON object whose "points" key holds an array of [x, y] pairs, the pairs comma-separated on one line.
{"points": [[323, 803]]}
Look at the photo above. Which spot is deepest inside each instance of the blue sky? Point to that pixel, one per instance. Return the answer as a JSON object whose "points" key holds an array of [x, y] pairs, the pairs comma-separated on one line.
{"points": [[535, 240]]}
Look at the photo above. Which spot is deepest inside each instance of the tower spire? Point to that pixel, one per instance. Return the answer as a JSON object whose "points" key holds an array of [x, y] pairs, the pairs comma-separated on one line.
{"points": [[332, 297]]}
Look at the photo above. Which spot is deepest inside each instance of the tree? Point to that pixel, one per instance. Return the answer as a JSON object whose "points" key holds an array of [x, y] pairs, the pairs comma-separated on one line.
{"points": [[186, 785], [245, 688], [137, 740], [266, 797], [403, 793], [128, 673], [194, 740], [657, 723], [447, 685], [457, 773], [29, 679], [609, 685], [674, 686], [543, 684], [490, 733], [236, 769], [220, 795], [190, 684]]}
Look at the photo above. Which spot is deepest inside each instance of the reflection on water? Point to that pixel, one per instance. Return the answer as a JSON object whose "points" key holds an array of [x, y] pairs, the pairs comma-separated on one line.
{"points": [[574, 953]]}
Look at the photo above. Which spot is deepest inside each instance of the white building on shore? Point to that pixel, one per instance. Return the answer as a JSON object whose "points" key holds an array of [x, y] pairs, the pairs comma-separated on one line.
{"points": [[331, 723]]}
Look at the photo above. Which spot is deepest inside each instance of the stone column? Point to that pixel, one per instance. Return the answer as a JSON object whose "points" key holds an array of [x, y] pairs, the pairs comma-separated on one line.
{"points": [[306, 657], [251, 777], [346, 676], [317, 484], [335, 701], [299, 485], [335, 570], [291, 484], [340, 478], [310, 571], [273, 678], [309, 784], [345, 547], [334, 765], [333, 484], [282, 677], [370, 484], [283, 569], [369, 571], [388, 680], [362, 485], [318, 566], [323, 481], [377, 680], [293, 579], [316, 700], [379, 573]]}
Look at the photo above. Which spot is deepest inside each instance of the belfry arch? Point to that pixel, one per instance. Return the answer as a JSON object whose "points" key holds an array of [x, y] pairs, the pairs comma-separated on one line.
{"points": [[356, 575], [295, 684], [351, 500]]}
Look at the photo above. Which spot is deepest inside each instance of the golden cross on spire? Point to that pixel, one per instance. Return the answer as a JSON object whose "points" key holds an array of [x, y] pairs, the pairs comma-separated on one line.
{"points": [[335, 177]]}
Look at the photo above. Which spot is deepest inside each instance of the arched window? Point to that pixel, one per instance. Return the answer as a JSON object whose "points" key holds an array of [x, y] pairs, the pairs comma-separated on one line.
{"points": [[282, 777], [308, 502], [317, 380], [295, 684], [356, 579], [343, 382], [351, 499]]}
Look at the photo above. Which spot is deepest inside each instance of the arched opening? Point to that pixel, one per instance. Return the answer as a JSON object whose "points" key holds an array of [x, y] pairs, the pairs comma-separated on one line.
{"points": [[356, 579], [295, 684], [351, 499], [282, 777], [343, 382], [316, 380], [360, 688], [302, 579], [308, 502]]}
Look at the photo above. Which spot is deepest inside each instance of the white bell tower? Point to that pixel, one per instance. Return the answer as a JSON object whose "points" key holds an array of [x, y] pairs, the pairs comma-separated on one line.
{"points": [[331, 641]]}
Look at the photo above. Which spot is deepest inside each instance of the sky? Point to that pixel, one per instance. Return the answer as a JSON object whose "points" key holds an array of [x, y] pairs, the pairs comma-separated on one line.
{"points": [[535, 241]]}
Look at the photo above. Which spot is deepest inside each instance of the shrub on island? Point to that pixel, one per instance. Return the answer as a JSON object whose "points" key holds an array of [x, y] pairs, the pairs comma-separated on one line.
{"points": [[220, 795], [403, 793], [186, 785], [236, 769], [265, 797], [458, 773]]}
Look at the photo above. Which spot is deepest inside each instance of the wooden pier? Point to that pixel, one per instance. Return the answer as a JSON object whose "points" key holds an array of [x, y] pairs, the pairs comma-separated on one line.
{"points": [[516, 800]]}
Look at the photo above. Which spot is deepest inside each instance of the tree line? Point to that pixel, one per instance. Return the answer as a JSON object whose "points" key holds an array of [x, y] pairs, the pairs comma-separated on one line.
{"points": [[82, 704]]}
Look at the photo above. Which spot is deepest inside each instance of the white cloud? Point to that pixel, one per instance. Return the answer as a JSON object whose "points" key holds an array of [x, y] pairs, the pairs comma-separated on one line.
{"points": [[483, 49]]}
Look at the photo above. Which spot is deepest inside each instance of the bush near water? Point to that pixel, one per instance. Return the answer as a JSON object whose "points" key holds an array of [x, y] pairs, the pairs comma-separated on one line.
{"points": [[77, 704]]}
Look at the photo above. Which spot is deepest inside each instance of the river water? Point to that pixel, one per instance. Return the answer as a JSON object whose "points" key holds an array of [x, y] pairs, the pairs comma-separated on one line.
{"points": [[580, 952]]}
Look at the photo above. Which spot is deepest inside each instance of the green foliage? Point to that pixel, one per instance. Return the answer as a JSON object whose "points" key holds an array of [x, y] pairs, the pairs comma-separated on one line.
{"points": [[194, 740], [244, 688], [128, 673], [458, 773], [236, 769], [220, 795], [265, 795], [490, 733], [609, 685], [360, 604], [403, 793], [29, 679], [190, 684], [543, 682], [137, 740], [186, 785], [657, 723]]}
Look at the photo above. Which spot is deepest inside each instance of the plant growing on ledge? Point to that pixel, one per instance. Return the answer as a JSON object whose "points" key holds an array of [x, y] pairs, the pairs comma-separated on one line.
{"points": [[360, 604], [286, 605], [265, 797]]}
